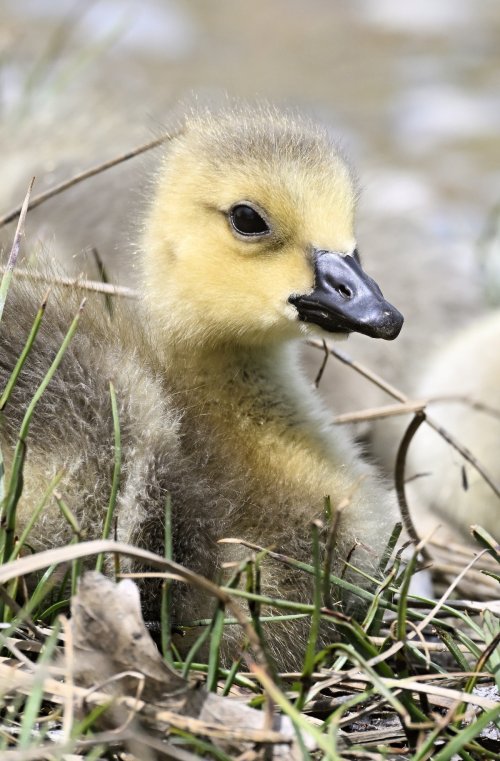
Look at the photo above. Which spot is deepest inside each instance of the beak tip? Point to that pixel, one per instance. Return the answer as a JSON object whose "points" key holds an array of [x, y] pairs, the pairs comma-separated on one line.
{"points": [[390, 326], [394, 325]]}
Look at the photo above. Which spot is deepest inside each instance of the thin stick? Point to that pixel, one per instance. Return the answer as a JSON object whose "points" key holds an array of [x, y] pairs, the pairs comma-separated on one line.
{"points": [[394, 410], [321, 370], [85, 175], [361, 369], [77, 282], [378, 413], [103, 277], [474, 403], [466, 453], [14, 252], [396, 394]]}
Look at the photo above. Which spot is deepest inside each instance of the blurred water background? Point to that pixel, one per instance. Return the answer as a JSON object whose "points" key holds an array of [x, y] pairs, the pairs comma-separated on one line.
{"points": [[412, 89]]}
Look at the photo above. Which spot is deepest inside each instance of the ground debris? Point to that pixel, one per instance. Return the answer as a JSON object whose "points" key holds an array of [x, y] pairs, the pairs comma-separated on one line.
{"points": [[111, 648]]}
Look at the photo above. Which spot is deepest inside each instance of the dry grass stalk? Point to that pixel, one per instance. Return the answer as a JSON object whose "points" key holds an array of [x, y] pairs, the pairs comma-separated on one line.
{"points": [[13, 214], [77, 282]]}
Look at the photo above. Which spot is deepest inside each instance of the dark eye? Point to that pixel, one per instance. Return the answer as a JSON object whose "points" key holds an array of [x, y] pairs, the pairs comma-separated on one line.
{"points": [[247, 221]]}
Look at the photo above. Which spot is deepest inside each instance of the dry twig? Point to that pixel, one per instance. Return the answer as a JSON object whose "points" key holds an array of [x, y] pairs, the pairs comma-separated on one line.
{"points": [[85, 175]]}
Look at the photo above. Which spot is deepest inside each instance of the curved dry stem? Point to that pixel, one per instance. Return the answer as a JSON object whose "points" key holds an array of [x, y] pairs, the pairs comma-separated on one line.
{"points": [[399, 480]]}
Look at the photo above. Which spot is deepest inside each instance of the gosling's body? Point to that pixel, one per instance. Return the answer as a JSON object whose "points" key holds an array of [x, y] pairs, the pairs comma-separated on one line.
{"points": [[469, 368], [213, 406]]}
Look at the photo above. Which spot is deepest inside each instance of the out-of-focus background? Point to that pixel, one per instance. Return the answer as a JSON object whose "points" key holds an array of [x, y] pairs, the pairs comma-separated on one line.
{"points": [[412, 88]]}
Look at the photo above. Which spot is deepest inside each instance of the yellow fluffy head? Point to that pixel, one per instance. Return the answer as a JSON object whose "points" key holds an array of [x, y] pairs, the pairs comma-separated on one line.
{"points": [[206, 282]]}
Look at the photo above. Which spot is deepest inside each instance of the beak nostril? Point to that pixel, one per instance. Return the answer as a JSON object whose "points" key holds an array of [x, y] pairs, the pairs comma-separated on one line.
{"points": [[344, 291]]}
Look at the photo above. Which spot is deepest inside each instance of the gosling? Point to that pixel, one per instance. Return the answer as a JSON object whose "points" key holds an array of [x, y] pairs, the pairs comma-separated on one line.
{"points": [[248, 247], [450, 494]]}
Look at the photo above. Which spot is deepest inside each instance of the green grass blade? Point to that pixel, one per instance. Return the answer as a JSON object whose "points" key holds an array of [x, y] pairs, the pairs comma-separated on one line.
{"points": [[36, 514], [487, 541], [231, 675], [115, 484], [467, 734], [189, 659], [33, 703], [214, 649], [166, 590], [403, 598], [309, 658], [24, 354], [16, 483]]}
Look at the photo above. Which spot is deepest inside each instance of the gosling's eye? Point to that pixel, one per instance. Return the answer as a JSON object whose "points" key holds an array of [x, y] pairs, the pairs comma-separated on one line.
{"points": [[247, 221]]}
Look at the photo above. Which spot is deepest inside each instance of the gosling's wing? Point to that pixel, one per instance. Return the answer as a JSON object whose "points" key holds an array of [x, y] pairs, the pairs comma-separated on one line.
{"points": [[72, 424]]}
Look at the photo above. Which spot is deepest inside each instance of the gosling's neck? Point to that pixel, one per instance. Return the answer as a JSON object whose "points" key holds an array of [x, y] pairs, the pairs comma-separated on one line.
{"points": [[266, 439], [253, 396], [243, 375], [249, 389]]}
